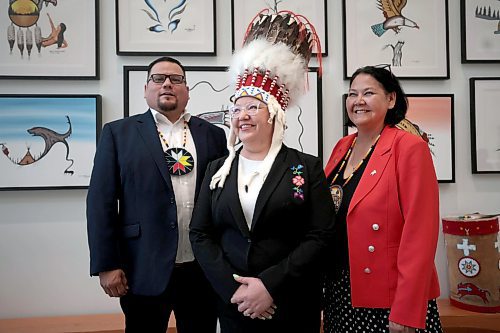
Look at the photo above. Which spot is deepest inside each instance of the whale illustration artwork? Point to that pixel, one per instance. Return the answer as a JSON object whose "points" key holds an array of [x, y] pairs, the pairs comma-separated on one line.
{"points": [[50, 138]]}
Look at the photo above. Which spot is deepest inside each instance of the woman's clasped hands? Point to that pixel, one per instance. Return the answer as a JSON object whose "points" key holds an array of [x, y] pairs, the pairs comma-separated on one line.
{"points": [[253, 299]]}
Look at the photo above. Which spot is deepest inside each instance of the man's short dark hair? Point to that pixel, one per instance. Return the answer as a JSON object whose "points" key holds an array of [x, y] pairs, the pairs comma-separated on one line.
{"points": [[166, 59]]}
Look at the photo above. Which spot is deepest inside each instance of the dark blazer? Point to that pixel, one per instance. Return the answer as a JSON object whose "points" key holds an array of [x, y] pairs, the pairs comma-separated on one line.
{"points": [[288, 233], [131, 208]]}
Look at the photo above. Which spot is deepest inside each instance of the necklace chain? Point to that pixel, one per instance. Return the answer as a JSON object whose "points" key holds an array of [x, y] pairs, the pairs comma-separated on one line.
{"points": [[358, 165], [184, 135]]}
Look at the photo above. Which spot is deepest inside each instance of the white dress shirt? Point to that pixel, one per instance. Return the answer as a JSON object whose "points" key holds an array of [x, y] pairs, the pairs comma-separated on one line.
{"points": [[250, 181], [184, 186]]}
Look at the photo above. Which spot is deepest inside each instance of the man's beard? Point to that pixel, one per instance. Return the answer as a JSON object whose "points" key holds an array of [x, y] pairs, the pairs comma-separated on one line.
{"points": [[167, 106]]}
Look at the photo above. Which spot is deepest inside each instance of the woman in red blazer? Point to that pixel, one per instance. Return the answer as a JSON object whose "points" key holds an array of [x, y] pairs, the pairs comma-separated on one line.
{"points": [[386, 196]]}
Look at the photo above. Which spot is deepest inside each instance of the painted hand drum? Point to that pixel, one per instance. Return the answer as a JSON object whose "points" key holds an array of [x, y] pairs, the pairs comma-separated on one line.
{"points": [[473, 251]]}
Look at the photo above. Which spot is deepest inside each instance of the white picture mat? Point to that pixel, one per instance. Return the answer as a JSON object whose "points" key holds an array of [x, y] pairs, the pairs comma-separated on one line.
{"points": [[424, 51], [77, 59], [481, 41], [48, 172], [194, 33], [487, 128]]}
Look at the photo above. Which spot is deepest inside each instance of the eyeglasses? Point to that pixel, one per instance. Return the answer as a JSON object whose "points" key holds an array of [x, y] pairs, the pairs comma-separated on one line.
{"points": [[251, 109], [160, 78], [384, 66]]}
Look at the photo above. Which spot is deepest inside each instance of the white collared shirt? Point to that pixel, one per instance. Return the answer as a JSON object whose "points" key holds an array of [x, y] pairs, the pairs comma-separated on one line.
{"points": [[250, 181], [184, 186]]}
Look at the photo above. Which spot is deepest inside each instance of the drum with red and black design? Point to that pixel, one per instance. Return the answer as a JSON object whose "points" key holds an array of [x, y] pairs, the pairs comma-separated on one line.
{"points": [[473, 251]]}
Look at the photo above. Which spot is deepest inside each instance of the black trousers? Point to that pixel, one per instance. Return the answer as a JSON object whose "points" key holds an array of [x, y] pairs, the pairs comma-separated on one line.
{"points": [[188, 294]]}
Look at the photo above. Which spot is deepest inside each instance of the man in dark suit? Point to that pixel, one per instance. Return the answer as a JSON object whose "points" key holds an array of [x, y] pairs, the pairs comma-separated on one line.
{"points": [[147, 173]]}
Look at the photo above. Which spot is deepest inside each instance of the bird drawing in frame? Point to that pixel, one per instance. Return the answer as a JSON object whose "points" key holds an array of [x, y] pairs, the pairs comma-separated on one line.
{"points": [[394, 19]]}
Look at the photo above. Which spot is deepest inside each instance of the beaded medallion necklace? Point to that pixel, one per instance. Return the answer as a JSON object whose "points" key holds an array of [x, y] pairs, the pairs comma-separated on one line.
{"points": [[180, 162], [336, 190]]}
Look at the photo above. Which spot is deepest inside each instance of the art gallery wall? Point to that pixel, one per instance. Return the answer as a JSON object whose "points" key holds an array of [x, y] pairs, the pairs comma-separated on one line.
{"points": [[43, 242]]}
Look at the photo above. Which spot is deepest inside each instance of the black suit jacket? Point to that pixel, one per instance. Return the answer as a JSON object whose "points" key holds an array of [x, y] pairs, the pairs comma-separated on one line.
{"points": [[287, 236], [131, 208]]}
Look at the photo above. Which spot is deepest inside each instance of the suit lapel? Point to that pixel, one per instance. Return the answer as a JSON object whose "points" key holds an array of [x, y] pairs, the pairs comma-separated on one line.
{"points": [[339, 155], [375, 167], [231, 187], [148, 132], [200, 142], [278, 169]]}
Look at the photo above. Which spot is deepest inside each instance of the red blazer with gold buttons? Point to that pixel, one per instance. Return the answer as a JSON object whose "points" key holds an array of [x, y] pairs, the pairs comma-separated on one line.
{"points": [[392, 226]]}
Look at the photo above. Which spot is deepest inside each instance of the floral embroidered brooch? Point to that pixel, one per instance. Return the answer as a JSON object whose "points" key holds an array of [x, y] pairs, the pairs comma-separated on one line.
{"points": [[298, 181]]}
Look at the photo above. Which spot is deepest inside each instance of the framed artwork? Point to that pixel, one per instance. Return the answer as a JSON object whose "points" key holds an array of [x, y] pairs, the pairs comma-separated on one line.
{"points": [[480, 28], [242, 13], [410, 35], [433, 114], [49, 39], [159, 27], [485, 124], [211, 93], [48, 141]]}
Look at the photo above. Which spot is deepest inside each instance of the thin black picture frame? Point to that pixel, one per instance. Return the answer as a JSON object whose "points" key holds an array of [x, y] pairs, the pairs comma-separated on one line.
{"points": [[362, 47], [79, 60], [48, 141], [149, 43], [484, 125], [483, 31]]}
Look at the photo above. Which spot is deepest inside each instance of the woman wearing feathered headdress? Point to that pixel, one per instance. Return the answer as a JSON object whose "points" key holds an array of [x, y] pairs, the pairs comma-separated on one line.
{"points": [[264, 214]]}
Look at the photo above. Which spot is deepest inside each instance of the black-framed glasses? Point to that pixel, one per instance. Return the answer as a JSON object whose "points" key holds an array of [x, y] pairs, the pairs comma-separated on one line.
{"points": [[251, 109], [384, 66], [160, 78]]}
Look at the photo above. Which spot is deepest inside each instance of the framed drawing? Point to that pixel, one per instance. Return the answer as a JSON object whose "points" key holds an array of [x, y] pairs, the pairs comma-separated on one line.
{"points": [[211, 95], [480, 28], [159, 27], [412, 36], [433, 114], [242, 12], [50, 39], [48, 141], [485, 124]]}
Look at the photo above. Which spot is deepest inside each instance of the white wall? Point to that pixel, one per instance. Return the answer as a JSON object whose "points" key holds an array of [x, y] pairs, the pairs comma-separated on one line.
{"points": [[43, 246]]}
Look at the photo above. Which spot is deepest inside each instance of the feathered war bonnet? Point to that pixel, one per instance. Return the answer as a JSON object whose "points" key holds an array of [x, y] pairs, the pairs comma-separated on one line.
{"points": [[272, 66]]}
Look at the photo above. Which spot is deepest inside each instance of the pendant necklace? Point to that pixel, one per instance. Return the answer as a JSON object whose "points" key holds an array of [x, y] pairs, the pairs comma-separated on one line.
{"points": [[180, 162], [336, 190]]}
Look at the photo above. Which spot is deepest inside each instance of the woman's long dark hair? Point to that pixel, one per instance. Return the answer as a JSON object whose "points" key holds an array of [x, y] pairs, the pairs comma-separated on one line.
{"points": [[390, 84]]}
